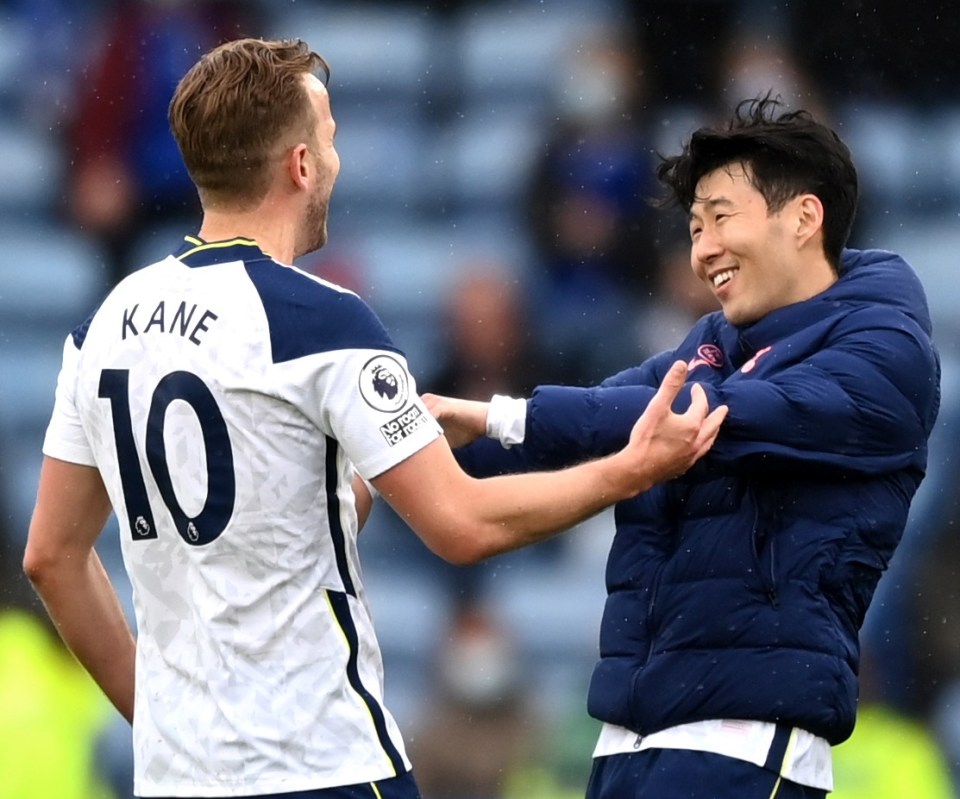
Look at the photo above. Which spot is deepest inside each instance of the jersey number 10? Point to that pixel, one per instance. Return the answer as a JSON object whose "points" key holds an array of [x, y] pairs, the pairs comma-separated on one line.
{"points": [[221, 479]]}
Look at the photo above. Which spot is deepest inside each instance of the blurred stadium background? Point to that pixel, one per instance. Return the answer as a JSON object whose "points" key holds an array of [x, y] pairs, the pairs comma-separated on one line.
{"points": [[473, 137]]}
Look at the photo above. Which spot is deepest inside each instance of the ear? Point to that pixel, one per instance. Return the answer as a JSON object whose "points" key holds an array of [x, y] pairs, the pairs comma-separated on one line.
{"points": [[809, 218], [298, 166]]}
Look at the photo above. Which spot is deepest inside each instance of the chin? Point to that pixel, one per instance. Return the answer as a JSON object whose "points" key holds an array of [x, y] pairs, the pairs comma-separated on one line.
{"points": [[739, 317]]}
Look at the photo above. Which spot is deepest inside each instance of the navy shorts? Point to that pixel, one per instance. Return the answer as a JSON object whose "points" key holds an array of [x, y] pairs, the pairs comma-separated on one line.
{"points": [[688, 774], [402, 787]]}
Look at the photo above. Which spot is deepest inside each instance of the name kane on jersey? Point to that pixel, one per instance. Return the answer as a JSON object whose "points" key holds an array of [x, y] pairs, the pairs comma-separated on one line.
{"points": [[181, 321]]}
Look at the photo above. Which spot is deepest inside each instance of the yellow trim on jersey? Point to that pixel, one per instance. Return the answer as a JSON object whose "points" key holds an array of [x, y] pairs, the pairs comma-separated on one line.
{"points": [[376, 791], [204, 245], [346, 641], [794, 733], [776, 788]]}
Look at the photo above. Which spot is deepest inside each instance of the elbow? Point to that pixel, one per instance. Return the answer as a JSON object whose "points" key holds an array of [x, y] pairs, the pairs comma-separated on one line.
{"points": [[465, 556], [33, 568], [462, 548], [37, 566]]}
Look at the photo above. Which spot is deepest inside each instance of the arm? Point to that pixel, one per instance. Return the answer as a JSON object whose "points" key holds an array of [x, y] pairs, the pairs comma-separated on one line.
{"points": [[72, 508], [865, 404], [862, 404], [465, 520], [571, 424]]}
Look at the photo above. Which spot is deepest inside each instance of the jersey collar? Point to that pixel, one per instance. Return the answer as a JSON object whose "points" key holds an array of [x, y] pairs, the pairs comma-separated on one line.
{"points": [[196, 252]]}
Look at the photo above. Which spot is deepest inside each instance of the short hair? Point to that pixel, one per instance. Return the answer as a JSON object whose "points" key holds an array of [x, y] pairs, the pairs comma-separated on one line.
{"points": [[784, 154], [234, 107]]}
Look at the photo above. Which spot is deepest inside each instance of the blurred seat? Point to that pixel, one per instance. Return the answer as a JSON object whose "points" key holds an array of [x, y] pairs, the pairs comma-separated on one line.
{"points": [[50, 280], [513, 51], [930, 245], [49, 277], [381, 160], [373, 49], [898, 154], [486, 158], [31, 170]]}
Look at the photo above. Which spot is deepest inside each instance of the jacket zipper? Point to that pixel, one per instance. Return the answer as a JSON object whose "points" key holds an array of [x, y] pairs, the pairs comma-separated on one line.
{"points": [[767, 579], [654, 590]]}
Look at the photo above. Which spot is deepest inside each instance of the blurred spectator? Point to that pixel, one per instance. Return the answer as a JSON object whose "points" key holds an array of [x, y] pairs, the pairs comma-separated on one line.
{"points": [[933, 638], [590, 212], [679, 300], [683, 40], [890, 755], [488, 349], [126, 166], [754, 64], [864, 49], [478, 729]]}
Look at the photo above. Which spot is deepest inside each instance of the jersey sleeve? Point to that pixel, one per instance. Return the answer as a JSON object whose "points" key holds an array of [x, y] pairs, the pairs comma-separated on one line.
{"points": [[370, 404], [65, 438]]}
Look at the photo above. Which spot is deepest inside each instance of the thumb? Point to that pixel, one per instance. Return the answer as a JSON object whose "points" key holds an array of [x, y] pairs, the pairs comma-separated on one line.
{"points": [[671, 384]]}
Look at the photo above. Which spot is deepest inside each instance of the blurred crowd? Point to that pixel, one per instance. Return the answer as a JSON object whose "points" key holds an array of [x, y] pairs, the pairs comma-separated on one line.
{"points": [[495, 208]]}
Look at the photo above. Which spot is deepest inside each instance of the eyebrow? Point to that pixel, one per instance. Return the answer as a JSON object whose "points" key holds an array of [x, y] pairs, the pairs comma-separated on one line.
{"points": [[710, 204]]}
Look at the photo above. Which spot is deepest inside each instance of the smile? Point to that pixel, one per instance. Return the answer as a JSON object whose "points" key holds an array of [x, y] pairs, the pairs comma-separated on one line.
{"points": [[721, 278]]}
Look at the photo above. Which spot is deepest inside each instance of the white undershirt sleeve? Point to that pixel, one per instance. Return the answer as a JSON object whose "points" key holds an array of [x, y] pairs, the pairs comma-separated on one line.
{"points": [[507, 419]]}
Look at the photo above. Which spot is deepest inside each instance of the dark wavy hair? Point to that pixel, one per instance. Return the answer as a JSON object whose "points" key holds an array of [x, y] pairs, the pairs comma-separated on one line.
{"points": [[784, 153]]}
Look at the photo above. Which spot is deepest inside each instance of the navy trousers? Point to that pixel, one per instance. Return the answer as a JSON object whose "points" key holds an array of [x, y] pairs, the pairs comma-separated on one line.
{"points": [[688, 774]]}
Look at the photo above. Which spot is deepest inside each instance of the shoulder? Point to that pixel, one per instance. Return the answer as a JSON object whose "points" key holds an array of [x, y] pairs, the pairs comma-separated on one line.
{"points": [[307, 315], [883, 280]]}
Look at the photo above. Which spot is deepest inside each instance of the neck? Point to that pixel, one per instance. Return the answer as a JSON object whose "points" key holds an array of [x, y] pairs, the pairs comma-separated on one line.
{"points": [[276, 236], [821, 276]]}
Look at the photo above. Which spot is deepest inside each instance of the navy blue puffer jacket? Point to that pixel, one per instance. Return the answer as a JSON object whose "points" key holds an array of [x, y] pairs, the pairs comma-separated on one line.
{"points": [[738, 590]]}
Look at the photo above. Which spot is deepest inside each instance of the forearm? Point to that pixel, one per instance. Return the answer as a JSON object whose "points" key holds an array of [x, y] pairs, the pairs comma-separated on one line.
{"points": [[465, 520], [84, 607], [524, 509]]}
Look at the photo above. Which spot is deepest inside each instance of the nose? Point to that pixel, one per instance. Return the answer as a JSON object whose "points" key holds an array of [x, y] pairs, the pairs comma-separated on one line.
{"points": [[706, 247]]}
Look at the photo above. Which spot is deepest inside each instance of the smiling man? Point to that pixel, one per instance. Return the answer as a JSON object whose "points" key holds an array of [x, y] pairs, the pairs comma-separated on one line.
{"points": [[729, 646]]}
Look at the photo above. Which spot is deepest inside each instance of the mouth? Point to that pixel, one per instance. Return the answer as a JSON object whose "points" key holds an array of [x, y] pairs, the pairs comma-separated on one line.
{"points": [[720, 279]]}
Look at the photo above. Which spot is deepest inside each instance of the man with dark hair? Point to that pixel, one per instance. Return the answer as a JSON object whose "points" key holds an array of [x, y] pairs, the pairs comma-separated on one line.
{"points": [[729, 642]]}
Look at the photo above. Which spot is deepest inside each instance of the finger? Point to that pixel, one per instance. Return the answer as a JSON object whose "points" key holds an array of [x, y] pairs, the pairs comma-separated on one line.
{"points": [[433, 402], [710, 429], [671, 384], [699, 406]]}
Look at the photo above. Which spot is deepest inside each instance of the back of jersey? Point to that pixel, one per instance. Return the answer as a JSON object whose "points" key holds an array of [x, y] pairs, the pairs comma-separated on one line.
{"points": [[226, 399]]}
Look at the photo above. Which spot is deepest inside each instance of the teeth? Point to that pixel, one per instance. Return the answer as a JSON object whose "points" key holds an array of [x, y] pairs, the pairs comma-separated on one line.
{"points": [[722, 277]]}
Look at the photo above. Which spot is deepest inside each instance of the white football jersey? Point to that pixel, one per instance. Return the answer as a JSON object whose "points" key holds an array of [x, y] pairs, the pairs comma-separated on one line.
{"points": [[226, 399]]}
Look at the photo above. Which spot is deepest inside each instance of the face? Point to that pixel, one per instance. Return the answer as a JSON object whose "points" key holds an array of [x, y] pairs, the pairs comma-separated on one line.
{"points": [[748, 257], [313, 235]]}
